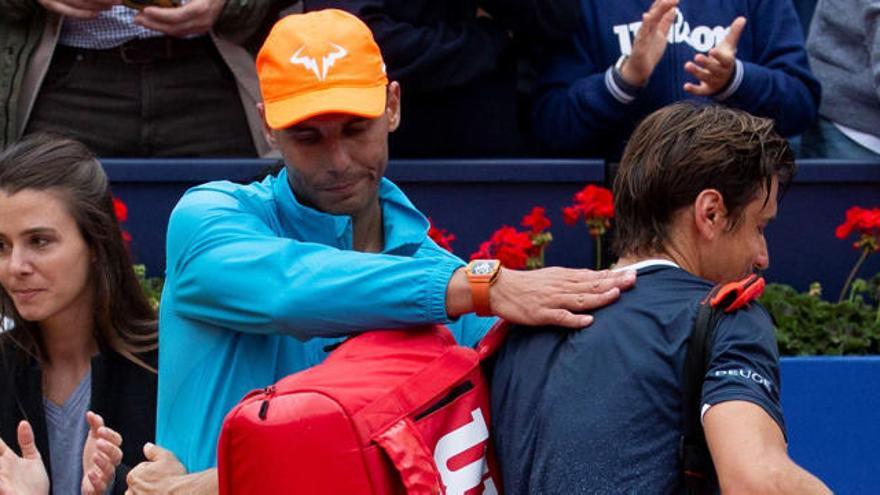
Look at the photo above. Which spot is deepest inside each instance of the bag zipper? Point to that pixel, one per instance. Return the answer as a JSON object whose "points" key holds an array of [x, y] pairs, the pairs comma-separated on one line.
{"points": [[268, 392]]}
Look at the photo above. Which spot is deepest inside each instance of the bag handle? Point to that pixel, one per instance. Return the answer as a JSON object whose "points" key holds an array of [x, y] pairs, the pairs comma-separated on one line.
{"points": [[411, 457]]}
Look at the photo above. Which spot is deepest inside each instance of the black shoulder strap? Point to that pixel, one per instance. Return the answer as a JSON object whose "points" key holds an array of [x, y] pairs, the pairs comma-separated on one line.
{"points": [[696, 460]]}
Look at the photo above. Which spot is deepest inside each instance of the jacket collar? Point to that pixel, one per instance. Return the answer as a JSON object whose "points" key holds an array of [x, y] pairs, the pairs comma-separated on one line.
{"points": [[405, 227]]}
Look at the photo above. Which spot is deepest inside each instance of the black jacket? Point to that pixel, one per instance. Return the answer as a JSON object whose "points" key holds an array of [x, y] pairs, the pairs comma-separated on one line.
{"points": [[122, 392]]}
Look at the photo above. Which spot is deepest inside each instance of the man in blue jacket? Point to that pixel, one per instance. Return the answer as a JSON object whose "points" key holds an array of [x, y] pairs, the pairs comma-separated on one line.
{"points": [[625, 62], [262, 277], [604, 411]]}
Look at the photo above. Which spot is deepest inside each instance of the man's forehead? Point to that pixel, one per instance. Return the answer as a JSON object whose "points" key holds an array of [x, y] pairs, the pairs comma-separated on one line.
{"points": [[329, 119]]}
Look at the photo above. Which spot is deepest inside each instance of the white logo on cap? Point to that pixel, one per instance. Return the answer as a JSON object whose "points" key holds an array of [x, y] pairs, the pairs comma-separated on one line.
{"points": [[327, 61]]}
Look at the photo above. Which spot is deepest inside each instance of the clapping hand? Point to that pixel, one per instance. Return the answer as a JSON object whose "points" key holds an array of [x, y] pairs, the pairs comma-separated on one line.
{"points": [[715, 70], [25, 474], [101, 455], [650, 42]]}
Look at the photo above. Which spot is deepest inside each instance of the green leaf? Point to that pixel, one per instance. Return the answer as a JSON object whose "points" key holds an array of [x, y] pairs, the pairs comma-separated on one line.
{"points": [[809, 325]]}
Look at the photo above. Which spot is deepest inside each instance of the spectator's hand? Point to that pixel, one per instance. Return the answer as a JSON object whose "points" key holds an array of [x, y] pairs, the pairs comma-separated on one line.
{"points": [[194, 18], [101, 455], [650, 43], [715, 71], [80, 9], [25, 475], [157, 475], [555, 296]]}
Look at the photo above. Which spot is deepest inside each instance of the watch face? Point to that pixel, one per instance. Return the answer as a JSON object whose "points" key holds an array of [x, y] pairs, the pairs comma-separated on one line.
{"points": [[482, 267]]}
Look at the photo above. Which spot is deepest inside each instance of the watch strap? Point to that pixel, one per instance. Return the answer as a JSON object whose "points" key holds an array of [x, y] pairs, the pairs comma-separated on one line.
{"points": [[480, 297], [480, 283]]}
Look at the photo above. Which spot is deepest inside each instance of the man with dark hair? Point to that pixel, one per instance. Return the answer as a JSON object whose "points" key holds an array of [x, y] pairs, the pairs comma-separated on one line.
{"points": [[264, 278], [695, 189]]}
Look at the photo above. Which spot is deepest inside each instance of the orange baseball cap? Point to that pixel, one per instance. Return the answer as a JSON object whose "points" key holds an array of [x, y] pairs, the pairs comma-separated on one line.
{"points": [[317, 63]]}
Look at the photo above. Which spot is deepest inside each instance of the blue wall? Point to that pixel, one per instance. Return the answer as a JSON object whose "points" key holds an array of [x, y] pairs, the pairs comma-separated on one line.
{"points": [[473, 198], [832, 414]]}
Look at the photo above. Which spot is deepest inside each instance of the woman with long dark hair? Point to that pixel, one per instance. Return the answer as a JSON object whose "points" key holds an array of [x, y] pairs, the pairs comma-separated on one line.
{"points": [[78, 347]]}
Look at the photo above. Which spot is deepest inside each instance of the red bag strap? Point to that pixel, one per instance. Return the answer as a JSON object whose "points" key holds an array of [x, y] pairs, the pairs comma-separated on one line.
{"points": [[411, 457]]}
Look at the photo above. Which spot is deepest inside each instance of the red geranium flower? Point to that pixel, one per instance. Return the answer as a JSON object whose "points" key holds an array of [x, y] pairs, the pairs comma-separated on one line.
{"points": [[536, 220], [120, 210], [591, 203], [570, 215], [441, 236], [595, 202], [485, 251], [866, 223], [595, 205], [510, 246]]}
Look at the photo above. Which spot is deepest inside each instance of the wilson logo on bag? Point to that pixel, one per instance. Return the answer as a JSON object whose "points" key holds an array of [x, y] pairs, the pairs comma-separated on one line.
{"points": [[398, 412]]}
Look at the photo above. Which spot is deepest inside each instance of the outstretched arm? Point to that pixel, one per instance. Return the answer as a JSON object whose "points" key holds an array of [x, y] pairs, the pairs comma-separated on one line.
{"points": [[209, 231], [550, 296], [749, 453]]}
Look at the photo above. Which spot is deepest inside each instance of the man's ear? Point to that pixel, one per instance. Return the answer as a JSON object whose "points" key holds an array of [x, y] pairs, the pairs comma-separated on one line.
{"points": [[267, 131], [710, 214], [392, 106]]}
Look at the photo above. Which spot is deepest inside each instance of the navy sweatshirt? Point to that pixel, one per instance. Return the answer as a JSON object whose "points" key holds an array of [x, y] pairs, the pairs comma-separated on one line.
{"points": [[580, 110]]}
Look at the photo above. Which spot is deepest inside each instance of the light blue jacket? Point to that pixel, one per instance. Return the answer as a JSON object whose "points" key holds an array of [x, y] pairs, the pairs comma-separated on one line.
{"points": [[253, 275]]}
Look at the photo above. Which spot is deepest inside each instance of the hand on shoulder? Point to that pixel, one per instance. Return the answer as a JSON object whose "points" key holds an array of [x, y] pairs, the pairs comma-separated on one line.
{"points": [[549, 296]]}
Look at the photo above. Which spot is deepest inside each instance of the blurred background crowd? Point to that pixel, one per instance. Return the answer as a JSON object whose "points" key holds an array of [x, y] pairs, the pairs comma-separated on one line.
{"points": [[480, 79]]}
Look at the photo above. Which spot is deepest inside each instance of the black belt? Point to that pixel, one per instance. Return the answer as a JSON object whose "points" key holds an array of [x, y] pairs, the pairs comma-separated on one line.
{"points": [[147, 50]]}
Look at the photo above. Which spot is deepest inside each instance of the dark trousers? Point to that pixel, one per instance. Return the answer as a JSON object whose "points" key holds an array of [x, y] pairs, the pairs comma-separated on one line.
{"points": [[161, 97]]}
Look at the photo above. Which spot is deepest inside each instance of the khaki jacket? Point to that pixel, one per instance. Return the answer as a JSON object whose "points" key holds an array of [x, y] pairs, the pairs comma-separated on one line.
{"points": [[28, 37], [20, 26]]}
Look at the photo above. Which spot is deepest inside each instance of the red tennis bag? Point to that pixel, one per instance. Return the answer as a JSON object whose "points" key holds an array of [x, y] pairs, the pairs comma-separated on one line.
{"points": [[396, 412]]}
